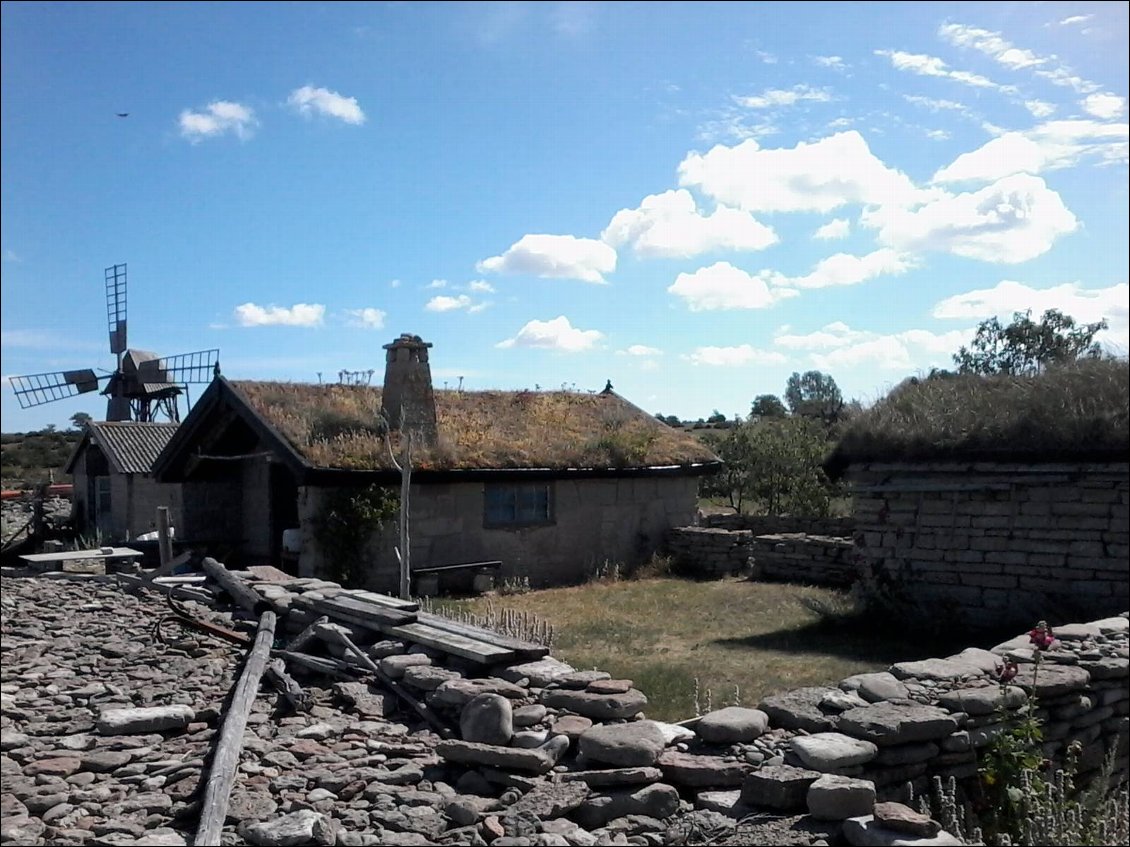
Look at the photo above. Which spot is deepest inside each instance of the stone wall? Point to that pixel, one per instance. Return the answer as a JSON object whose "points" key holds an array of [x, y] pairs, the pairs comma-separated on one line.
{"points": [[783, 524], [595, 521], [811, 559], [998, 543], [701, 551]]}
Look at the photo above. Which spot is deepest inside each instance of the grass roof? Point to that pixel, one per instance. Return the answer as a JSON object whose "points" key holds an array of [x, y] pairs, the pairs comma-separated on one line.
{"points": [[338, 426], [1077, 412]]}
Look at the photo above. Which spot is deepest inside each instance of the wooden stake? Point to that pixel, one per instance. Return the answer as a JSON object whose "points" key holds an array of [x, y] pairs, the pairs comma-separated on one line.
{"points": [[164, 540], [225, 759]]}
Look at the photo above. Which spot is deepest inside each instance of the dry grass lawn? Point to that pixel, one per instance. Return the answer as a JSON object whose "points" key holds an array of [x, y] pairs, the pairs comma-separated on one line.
{"points": [[741, 640]]}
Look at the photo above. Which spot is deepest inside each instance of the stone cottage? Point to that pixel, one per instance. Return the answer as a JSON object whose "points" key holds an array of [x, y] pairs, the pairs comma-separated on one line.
{"points": [[551, 484], [995, 501], [115, 493]]}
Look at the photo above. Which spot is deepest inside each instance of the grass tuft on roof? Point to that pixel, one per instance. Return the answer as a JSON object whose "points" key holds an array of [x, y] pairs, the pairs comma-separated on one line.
{"points": [[339, 426], [1075, 412]]}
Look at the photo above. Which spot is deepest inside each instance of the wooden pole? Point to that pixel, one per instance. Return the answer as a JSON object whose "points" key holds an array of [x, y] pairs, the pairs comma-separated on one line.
{"points": [[225, 759], [243, 595], [164, 541], [284, 682], [405, 538]]}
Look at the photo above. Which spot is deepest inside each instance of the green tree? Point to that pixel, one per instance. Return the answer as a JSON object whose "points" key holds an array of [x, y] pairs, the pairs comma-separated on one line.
{"points": [[79, 420], [716, 417], [768, 406], [814, 395], [776, 462], [1026, 347]]}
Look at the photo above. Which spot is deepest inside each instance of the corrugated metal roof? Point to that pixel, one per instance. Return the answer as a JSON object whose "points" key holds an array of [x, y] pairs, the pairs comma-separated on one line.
{"points": [[131, 447]]}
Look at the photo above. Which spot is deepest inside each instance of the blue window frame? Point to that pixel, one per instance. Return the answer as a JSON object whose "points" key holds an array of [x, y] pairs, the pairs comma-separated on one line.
{"points": [[517, 504]]}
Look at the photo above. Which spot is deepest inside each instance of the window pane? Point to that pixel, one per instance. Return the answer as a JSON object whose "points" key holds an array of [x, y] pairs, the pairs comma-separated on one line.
{"points": [[517, 504]]}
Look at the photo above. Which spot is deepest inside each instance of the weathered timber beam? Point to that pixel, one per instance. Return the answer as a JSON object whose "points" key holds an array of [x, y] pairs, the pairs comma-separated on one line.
{"points": [[284, 682], [225, 758], [244, 596]]}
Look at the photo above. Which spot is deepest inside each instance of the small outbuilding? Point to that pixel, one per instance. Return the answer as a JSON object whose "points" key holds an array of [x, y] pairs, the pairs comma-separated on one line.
{"points": [[115, 493], [992, 501], [552, 485]]}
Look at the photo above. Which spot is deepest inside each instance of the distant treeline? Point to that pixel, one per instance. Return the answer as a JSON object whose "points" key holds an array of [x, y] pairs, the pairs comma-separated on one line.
{"points": [[28, 458]]}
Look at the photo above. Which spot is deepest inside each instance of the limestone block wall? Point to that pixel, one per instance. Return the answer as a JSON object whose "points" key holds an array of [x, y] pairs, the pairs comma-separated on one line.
{"points": [[783, 524], [708, 552], [999, 543], [811, 559]]}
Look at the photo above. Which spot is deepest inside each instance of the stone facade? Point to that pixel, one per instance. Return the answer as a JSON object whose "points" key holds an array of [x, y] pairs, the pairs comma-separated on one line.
{"points": [[999, 543], [811, 559], [595, 522]]}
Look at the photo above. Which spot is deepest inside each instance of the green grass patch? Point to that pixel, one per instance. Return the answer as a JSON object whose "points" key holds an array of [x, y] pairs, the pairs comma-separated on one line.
{"points": [[753, 637]]}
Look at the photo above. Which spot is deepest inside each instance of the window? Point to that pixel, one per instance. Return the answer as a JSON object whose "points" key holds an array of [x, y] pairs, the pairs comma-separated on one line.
{"points": [[521, 504]]}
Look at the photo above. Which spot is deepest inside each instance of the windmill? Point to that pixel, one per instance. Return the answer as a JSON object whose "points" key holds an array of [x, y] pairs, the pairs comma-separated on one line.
{"points": [[144, 386]]}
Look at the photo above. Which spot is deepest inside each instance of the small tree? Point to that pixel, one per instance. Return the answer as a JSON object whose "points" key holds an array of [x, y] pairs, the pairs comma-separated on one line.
{"points": [[1026, 347], [768, 406], [716, 417], [814, 395], [79, 420]]}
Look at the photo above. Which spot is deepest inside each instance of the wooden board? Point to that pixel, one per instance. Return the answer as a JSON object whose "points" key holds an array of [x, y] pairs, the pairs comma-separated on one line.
{"points": [[116, 553], [383, 600], [525, 649], [355, 612], [450, 642]]}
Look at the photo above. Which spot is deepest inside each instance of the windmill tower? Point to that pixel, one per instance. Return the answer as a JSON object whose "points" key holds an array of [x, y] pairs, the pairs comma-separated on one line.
{"points": [[143, 387]]}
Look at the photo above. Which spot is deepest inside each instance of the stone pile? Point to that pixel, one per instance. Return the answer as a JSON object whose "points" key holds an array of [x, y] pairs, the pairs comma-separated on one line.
{"points": [[782, 524], [106, 732]]}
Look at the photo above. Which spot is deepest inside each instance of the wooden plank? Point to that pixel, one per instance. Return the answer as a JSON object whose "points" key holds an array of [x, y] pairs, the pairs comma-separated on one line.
{"points": [[115, 553], [382, 600], [371, 618], [229, 740], [449, 642], [244, 596], [365, 610], [169, 566], [525, 649]]}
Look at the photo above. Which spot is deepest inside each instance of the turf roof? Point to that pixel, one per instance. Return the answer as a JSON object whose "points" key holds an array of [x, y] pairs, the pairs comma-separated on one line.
{"points": [[1078, 412], [338, 426]]}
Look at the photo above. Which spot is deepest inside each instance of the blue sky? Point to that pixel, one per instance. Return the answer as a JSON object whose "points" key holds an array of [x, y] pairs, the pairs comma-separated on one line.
{"points": [[692, 200]]}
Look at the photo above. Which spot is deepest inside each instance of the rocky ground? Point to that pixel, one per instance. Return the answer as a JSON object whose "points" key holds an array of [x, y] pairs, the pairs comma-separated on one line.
{"points": [[14, 514], [77, 770]]}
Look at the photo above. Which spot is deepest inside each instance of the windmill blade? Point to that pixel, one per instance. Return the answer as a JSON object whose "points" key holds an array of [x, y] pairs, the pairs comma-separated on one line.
{"points": [[181, 369], [37, 389], [116, 307]]}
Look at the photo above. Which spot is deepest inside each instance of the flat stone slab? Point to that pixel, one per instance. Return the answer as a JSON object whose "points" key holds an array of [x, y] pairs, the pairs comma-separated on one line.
{"points": [[835, 798], [506, 758], [938, 670], [984, 700], [1077, 631], [1109, 625], [876, 687], [799, 709], [1053, 680], [613, 776], [551, 799], [695, 771], [832, 751], [986, 660], [293, 830], [599, 707], [733, 724], [145, 720], [634, 744], [460, 692], [654, 801], [865, 831], [780, 787], [539, 673], [889, 723]]}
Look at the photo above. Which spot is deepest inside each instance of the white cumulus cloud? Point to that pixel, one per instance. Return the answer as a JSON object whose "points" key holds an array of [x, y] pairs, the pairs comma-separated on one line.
{"points": [[481, 286], [731, 357], [1106, 106], [216, 119], [367, 318], [640, 350], [1039, 108], [669, 225], [556, 334], [1013, 220], [554, 257], [449, 304], [833, 230], [773, 97], [846, 269], [818, 176], [991, 44], [300, 314], [308, 101], [722, 286], [837, 346]]}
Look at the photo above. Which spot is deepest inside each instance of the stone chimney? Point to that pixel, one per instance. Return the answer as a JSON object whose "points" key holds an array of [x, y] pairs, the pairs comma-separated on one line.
{"points": [[407, 395]]}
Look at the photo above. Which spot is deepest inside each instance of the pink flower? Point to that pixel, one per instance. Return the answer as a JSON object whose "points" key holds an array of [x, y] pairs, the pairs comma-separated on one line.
{"points": [[1007, 672], [1042, 636]]}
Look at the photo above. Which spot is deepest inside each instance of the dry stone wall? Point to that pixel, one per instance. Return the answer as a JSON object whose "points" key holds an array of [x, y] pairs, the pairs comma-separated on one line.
{"points": [[782, 524], [811, 559], [708, 552], [998, 543]]}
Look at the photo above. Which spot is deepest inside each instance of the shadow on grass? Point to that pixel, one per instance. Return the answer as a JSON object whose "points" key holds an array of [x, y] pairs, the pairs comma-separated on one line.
{"points": [[864, 640]]}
